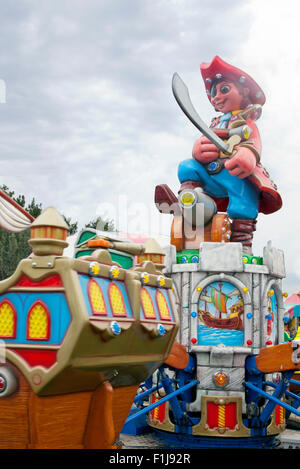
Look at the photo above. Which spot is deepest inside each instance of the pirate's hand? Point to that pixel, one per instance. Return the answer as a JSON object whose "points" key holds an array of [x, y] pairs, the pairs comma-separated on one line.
{"points": [[205, 151], [242, 163]]}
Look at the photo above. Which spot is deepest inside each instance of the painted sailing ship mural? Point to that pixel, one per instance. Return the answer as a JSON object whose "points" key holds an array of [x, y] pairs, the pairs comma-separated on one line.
{"points": [[220, 313]]}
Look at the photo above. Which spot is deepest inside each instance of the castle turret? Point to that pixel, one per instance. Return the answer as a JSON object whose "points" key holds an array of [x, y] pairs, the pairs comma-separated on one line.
{"points": [[48, 233], [153, 252]]}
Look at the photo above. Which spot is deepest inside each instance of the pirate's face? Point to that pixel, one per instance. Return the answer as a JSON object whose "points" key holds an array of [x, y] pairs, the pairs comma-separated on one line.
{"points": [[226, 96]]}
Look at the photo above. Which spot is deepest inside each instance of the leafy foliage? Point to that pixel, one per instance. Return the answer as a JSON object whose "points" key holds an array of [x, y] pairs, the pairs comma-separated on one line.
{"points": [[14, 246], [101, 224]]}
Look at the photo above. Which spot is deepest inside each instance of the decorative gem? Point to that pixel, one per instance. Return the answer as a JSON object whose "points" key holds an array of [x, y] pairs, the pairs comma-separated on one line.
{"points": [[145, 277], [194, 340], [115, 328], [161, 281], [114, 272], [195, 259], [161, 330], [249, 315], [194, 314], [249, 342], [220, 379], [94, 268], [245, 289]]}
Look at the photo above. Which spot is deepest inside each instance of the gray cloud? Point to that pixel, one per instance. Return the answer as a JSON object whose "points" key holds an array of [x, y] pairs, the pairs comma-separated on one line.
{"points": [[90, 113]]}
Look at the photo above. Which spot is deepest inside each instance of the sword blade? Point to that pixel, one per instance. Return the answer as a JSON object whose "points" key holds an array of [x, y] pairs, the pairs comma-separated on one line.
{"points": [[181, 94]]}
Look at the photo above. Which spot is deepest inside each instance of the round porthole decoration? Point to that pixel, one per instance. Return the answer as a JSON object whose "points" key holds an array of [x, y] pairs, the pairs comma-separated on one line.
{"points": [[8, 381]]}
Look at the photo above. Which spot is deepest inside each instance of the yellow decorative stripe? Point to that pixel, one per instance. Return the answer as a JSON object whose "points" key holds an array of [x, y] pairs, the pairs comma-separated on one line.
{"points": [[221, 416], [281, 415]]}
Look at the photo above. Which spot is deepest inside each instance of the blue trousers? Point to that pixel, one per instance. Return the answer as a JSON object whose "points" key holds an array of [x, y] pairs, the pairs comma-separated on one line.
{"points": [[243, 197]]}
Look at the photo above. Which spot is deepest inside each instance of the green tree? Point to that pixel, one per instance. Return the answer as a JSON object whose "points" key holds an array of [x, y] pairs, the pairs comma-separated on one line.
{"points": [[73, 226], [14, 246], [101, 224]]}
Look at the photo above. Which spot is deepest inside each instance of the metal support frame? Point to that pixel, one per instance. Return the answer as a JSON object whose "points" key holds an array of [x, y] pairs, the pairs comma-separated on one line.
{"points": [[162, 400], [274, 399], [140, 397]]}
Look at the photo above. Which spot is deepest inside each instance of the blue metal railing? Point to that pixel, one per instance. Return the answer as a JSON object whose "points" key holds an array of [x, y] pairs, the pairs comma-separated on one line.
{"points": [[162, 400], [273, 399], [142, 395]]}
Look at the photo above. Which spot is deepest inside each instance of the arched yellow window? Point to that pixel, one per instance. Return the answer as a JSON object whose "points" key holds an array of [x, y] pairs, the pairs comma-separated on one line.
{"points": [[163, 307], [147, 304], [116, 300], [96, 298], [38, 322], [7, 320]]}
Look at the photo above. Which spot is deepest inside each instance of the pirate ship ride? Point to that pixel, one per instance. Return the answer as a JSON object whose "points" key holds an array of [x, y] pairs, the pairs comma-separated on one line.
{"points": [[78, 336]]}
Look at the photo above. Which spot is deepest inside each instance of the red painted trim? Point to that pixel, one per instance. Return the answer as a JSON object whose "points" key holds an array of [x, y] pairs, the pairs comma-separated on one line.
{"points": [[6, 300], [145, 314], [158, 292], [50, 281], [37, 357], [15, 204], [91, 281], [48, 321], [119, 315]]}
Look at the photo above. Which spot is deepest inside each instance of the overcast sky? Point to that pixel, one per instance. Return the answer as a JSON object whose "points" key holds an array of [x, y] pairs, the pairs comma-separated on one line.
{"points": [[89, 123]]}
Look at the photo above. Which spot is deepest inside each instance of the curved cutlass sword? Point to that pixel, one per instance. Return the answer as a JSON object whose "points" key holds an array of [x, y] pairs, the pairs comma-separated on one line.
{"points": [[181, 94]]}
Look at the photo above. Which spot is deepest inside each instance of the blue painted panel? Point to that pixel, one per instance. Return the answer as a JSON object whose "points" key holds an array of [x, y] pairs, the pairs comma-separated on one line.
{"points": [[59, 313], [104, 284]]}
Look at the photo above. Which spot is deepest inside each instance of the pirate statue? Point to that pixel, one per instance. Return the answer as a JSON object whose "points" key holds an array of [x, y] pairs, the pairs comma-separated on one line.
{"points": [[226, 158]]}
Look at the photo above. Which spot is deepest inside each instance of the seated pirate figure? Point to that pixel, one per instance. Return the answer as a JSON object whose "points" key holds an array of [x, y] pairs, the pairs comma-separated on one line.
{"points": [[239, 184]]}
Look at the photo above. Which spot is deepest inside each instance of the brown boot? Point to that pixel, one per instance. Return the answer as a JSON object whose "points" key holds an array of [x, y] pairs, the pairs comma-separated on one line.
{"points": [[165, 200], [242, 232]]}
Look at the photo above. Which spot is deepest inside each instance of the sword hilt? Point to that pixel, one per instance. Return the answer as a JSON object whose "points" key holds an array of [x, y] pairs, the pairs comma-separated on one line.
{"points": [[231, 142]]}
